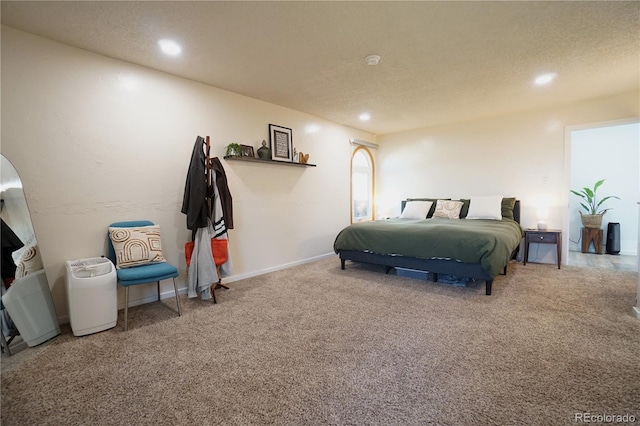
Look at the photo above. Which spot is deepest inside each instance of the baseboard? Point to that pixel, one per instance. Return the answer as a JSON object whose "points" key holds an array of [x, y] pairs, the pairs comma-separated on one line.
{"points": [[226, 280], [276, 268]]}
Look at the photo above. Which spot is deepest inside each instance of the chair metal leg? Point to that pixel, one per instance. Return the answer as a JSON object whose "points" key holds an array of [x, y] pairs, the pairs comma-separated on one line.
{"points": [[175, 288], [126, 306], [126, 302]]}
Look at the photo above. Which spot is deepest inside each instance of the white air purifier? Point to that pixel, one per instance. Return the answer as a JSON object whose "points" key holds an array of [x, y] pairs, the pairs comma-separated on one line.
{"points": [[92, 295]]}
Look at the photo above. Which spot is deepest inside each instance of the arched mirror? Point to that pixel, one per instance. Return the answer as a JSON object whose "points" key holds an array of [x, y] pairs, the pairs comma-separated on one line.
{"points": [[23, 276], [362, 185]]}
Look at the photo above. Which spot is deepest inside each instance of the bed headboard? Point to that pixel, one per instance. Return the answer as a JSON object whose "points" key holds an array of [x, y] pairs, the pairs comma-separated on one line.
{"points": [[516, 209]]}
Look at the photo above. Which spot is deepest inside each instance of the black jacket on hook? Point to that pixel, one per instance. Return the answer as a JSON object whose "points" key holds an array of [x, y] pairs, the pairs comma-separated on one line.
{"points": [[194, 202], [223, 190]]}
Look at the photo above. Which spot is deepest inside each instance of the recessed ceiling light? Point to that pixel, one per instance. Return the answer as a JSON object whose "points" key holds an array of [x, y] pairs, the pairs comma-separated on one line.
{"points": [[543, 79], [170, 47], [365, 116], [372, 59]]}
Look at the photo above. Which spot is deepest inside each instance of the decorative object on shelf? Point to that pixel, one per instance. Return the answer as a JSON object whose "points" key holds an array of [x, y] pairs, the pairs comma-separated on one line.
{"points": [[247, 151], [304, 158], [234, 150], [281, 143], [295, 156], [591, 205], [264, 152]]}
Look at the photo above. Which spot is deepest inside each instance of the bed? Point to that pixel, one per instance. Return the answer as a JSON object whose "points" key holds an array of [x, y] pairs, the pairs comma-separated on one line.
{"points": [[478, 249]]}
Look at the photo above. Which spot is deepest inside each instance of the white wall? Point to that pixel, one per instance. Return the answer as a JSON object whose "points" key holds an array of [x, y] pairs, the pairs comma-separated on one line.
{"points": [[96, 140], [519, 155], [611, 153]]}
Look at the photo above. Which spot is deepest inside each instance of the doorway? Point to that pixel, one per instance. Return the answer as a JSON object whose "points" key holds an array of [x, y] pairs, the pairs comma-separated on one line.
{"points": [[609, 151]]}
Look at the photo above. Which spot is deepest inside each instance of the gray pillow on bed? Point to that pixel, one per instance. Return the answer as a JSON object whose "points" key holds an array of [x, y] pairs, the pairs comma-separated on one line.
{"points": [[465, 207], [508, 204]]}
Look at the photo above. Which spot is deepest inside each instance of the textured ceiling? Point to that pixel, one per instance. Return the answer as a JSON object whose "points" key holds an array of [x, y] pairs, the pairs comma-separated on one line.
{"points": [[442, 62]]}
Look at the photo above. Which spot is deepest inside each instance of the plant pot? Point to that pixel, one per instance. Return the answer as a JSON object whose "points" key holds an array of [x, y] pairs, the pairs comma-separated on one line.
{"points": [[591, 220]]}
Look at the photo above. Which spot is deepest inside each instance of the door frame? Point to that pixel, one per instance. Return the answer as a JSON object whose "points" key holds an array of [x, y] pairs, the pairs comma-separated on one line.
{"points": [[566, 179], [567, 184]]}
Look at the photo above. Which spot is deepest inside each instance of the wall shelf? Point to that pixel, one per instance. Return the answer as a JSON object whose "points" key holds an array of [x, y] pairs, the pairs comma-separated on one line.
{"points": [[260, 160]]}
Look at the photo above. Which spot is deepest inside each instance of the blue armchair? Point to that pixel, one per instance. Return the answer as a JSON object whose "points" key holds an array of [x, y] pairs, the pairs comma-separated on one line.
{"points": [[142, 274]]}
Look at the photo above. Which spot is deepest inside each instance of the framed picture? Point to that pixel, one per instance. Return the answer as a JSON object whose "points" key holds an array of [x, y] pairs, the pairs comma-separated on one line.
{"points": [[281, 143], [247, 151]]}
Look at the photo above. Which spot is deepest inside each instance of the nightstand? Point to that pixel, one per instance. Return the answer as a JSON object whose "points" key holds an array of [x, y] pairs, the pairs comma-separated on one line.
{"points": [[550, 236]]}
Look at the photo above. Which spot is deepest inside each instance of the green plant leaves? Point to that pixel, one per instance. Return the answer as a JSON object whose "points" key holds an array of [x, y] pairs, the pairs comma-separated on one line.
{"points": [[591, 204]]}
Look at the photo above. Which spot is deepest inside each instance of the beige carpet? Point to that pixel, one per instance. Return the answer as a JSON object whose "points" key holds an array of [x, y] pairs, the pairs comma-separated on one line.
{"points": [[318, 345]]}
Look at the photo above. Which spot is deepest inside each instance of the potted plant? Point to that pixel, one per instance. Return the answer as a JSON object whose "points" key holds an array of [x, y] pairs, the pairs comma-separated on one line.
{"points": [[591, 205], [234, 150]]}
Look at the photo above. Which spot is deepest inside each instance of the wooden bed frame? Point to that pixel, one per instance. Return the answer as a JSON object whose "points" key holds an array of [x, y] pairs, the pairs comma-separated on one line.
{"points": [[434, 266]]}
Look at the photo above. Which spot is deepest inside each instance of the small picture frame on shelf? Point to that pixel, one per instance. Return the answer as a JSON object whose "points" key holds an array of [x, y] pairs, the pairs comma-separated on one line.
{"points": [[281, 143], [247, 151]]}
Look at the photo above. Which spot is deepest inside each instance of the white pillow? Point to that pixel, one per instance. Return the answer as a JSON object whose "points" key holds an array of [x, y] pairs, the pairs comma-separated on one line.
{"points": [[449, 209], [485, 208], [416, 210]]}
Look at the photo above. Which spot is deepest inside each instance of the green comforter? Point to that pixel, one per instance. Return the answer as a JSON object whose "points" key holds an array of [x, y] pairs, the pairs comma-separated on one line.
{"points": [[485, 242]]}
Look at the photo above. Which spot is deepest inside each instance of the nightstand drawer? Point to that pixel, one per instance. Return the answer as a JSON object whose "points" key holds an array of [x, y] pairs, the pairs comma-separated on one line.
{"points": [[542, 237]]}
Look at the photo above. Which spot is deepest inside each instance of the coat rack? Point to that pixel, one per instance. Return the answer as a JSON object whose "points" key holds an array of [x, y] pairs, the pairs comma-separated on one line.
{"points": [[209, 178]]}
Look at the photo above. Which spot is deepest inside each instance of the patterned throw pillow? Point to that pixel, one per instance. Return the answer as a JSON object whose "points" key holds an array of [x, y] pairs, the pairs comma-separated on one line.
{"points": [[136, 246], [30, 261], [449, 209]]}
